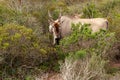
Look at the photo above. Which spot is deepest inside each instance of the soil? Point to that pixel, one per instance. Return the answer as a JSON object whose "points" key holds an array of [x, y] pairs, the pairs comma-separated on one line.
{"points": [[50, 76]]}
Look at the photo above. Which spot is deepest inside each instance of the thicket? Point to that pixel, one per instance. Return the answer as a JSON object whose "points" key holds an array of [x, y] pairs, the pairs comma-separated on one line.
{"points": [[21, 51], [104, 45], [25, 43], [88, 54]]}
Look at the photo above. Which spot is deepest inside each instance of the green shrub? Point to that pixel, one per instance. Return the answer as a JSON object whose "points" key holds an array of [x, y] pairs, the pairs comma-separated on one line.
{"points": [[21, 51], [83, 38], [88, 53], [90, 11], [8, 15], [111, 10], [107, 7], [5, 15]]}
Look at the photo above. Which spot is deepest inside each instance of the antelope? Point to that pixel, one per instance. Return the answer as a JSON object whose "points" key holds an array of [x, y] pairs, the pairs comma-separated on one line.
{"points": [[61, 27]]}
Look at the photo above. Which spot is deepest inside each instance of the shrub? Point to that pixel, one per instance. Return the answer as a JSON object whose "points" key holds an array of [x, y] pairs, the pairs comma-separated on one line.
{"points": [[90, 11], [42, 14], [107, 7], [115, 77], [83, 38], [21, 51], [83, 68], [5, 14], [8, 15], [111, 10], [87, 53]]}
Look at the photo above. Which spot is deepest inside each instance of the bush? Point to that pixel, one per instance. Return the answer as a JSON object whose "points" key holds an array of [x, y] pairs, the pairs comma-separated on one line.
{"points": [[87, 68], [91, 11], [87, 53], [83, 38], [5, 15], [8, 15], [21, 51], [42, 14], [111, 10], [107, 7], [116, 77]]}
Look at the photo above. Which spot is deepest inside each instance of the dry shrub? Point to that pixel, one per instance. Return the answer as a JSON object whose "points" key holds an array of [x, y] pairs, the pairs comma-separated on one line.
{"points": [[116, 76], [83, 69], [23, 5], [114, 52]]}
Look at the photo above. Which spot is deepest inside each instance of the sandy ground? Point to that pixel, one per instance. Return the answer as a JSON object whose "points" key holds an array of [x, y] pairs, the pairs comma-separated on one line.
{"points": [[50, 76]]}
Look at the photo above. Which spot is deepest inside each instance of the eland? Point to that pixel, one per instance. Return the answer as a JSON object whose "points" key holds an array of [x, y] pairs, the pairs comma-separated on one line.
{"points": [[62, 26]]}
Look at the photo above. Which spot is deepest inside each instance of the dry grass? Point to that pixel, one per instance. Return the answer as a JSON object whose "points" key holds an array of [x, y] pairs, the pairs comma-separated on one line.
{"points": [[83, 69]]}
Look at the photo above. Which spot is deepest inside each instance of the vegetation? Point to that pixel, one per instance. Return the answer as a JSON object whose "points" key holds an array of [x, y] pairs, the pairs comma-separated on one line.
{"points": [[26, 49], [89, 54], [20, 48]]}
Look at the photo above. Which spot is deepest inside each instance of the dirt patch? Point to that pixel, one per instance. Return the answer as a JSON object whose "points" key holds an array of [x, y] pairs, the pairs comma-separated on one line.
{"points": [[115, 65], [50, 76]]}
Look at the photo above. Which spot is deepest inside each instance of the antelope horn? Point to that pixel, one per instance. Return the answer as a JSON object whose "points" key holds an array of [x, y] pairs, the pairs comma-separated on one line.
{"points": [[60, 13], [49, 14], [50, 17]]}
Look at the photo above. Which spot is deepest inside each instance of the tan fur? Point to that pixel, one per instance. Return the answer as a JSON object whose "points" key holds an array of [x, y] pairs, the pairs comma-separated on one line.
{"points": [[62, 26], [95, 24]]}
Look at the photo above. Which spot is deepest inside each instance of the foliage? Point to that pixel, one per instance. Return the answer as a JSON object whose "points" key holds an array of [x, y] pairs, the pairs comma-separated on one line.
{"points": [[42, 14], [24, 51], [111, 10], [86, 61], [83, 38], [90, 11], [9, 15], [19, 49], [83, 69], [5, 15], [107, 7], [117, 76]]}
